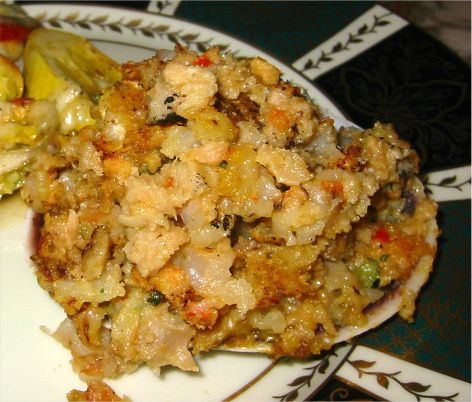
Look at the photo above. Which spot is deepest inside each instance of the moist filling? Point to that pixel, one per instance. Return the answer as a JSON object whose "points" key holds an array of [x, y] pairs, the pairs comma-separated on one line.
{"points": [[213, 206]]}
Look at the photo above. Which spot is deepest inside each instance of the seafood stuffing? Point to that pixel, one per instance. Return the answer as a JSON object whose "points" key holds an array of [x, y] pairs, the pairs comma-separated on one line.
{"points": [[210, 205]]}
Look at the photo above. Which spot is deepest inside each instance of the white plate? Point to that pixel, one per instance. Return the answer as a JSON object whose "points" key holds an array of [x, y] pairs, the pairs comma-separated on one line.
{"points": [[33, 366]]}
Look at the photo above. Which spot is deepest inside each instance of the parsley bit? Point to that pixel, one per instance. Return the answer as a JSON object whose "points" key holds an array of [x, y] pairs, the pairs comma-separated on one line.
{"points": [[155, 298]]}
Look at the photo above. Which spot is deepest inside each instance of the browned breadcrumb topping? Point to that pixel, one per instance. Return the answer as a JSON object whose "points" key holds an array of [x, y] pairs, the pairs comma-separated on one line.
{"points": [[213, 206], [97, 391]]}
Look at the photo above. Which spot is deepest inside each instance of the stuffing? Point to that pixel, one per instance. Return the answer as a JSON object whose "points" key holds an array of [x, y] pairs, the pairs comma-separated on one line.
{"points": [[209, 206]]}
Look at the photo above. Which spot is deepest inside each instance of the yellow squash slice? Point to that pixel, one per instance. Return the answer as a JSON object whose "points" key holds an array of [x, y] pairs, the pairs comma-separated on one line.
{"points": [[11, 80], [53, 59], [68, 70]]}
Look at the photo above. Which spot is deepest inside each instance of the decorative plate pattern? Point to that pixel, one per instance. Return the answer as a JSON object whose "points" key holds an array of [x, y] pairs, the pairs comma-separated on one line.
{"points": [[387, 377], [449, 184], [372, 27], [153, 30], [384, 379]]}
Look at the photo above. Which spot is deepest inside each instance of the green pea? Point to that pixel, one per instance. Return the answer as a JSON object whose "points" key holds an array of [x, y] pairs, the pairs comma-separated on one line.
{"points": [[368, 273]]}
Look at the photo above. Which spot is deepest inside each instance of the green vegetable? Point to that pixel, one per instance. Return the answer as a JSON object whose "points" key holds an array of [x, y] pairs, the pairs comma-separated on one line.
{"points": [[155, 298], [368, 273], [11, 80], [13, 170], [63, 66], [13, 134], [11, 181]]}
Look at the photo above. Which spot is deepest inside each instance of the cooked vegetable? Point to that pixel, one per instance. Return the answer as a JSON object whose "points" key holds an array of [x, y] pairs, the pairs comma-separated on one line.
{"points": [[368, 273], [24, 124], [62, 58], [64, 76], [68, 70], [13, 168], [13, 133], [11, 181], [381, 235], [11, 81]]}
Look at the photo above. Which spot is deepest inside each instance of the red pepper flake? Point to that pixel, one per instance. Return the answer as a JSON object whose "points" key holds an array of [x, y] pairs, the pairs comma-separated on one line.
{"points": [[202, 61], [21, 101], [381, 235], [13, 32], [169, 182], [204, 315]]}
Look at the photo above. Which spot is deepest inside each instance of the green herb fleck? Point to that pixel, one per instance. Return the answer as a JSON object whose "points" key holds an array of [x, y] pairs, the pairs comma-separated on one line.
{"points": [[368, 273], [224, 165], [155, 297], [384, 257]]}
